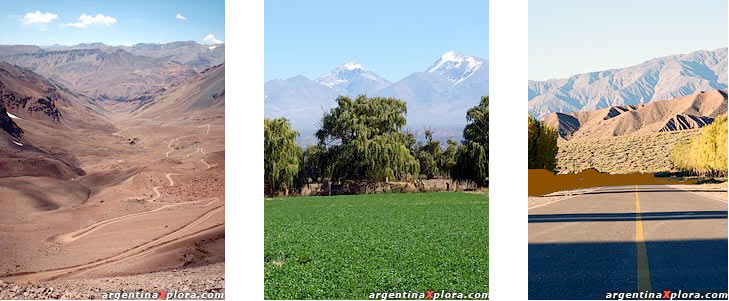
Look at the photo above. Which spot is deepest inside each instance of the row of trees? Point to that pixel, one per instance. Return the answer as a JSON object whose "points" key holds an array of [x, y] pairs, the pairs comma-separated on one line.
{"points": [[542, 145], [362, 140], [706, 154]]}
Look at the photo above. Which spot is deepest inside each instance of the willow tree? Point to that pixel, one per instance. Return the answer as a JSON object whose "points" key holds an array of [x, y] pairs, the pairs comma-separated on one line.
{"points": [[281, 156], [430, 157], [477, 129], [542, 145], [314, 166], [472, 158], [364, 140]]}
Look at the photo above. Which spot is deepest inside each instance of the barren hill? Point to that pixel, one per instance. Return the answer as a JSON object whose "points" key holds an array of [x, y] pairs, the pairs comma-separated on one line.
{"points": [[683, 113], [105, 73], [203, 93], [42, 121], [75, 172]]}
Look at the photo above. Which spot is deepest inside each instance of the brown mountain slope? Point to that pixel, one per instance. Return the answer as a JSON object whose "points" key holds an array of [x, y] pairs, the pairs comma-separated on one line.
{"points": [[45, 126], [189, 53], [202, 94], [683, 113], [106, 74]]}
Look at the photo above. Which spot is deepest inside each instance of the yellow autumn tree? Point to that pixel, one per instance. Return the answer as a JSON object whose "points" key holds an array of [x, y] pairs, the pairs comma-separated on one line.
{"points": [[706, 154]]}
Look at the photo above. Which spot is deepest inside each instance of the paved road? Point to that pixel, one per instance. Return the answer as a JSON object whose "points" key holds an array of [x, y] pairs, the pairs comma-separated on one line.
{"points": [[627, 239]]}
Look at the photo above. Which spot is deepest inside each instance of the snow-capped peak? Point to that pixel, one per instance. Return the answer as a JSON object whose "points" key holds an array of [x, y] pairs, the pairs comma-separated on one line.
{"points": [[351, 66], [352, 78], [345, 73], [455, 66]]}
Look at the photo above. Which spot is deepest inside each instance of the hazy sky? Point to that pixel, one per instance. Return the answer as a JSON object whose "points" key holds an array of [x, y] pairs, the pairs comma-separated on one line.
{"points": [[568, 37], [111, 22], [391, 38]]}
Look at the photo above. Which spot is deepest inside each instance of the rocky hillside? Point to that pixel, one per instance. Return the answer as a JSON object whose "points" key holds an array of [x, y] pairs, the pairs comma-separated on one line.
{"points": [[684, 113]]}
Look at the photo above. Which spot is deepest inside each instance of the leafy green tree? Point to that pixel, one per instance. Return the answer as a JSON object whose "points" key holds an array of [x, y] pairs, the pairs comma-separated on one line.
{"points": [[472, 163], [281, 156], [448, 159], [542, 145], [364, 140], [430, 157], [314, 165], [477, 129], [472, 158]]}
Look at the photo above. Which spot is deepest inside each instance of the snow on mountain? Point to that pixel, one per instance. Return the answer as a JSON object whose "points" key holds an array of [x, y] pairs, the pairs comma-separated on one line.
{"points": [[438, 97], [657, 79], [352, 79], [455, 66], [452, 85]]}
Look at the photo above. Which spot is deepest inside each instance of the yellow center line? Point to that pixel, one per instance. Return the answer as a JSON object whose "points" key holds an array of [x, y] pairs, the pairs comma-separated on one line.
{"points": [[644, 275]]}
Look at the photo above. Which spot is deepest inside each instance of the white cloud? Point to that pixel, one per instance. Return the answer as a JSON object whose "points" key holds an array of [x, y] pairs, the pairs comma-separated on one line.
{"points": [[210, 39], [37, 17], [181, 17], [86, 20]]}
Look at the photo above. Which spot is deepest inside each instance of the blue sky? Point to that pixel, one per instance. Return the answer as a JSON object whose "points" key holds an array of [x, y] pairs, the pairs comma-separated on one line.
{"points": [[391, 38], [568, 37], [110, 22]]}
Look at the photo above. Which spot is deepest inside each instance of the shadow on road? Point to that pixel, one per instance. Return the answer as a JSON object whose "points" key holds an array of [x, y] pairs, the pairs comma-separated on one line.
{"points": [[613, 217], [567, 271]]}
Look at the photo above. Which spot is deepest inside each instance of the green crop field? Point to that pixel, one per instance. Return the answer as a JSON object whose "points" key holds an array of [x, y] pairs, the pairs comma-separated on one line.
{"points": [[346, 247]]}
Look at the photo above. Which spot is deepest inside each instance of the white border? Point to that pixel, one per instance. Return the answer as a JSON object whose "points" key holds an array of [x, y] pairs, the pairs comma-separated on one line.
{"points": [[244, 151], [508, 227]]}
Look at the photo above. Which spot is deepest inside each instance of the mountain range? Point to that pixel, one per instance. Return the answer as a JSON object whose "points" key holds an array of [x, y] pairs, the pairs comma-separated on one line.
{"points": [[94, 134], [49, 122], [657, 79], [684, 113], [115, 72], [437, 98]]}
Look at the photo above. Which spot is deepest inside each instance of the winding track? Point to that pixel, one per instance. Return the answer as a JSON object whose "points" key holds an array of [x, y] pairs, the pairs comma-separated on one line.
{"points": [[73, 236], [167, 154], [169, 177], [195, 152], [180, 234], [207, 166], [177, 235]]}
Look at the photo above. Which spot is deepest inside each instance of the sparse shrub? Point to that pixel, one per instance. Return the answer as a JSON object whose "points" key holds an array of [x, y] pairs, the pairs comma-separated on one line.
{"points": [[636, 153]]}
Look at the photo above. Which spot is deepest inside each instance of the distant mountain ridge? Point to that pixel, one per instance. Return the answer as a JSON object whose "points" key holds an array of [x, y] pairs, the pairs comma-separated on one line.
{"points": [[684, 113], [657, 79], [438, 97], [116, 72], [352, 79]]}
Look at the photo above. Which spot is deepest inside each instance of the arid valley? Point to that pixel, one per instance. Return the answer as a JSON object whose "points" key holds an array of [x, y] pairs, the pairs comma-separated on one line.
{"points": [[96, 185]]}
